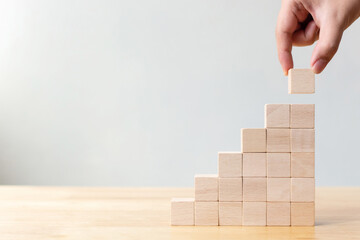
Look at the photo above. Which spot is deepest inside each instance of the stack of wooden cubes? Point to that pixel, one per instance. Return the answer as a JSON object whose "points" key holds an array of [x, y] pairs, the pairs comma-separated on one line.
{"points": [[270, 183]]}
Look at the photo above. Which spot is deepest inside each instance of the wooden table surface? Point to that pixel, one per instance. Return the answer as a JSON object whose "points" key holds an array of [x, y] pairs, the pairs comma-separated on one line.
{"points": [[143, 213]]}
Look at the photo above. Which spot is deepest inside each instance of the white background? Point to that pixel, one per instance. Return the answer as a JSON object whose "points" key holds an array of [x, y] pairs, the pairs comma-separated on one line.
{"points": [[145, 93]]}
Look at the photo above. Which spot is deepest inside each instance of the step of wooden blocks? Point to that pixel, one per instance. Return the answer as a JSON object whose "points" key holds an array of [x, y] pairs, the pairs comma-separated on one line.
{"points": [[278, 164], [230, 189], [253, 140], [278, 140], [230, 213], [302, 140], [302, 214], [301, 81], [206, 187], [230, 164], [302, 115], [302, 189], [254, 213], [302, 165], [254, 164], [277, 115], [207, 213], [182, 211]]}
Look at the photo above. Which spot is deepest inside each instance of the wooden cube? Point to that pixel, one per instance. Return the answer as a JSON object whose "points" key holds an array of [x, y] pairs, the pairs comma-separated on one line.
{"points": [[230, 189], [206, 213], [301, 81], [278, 140], [302, 140], [278, 214], [278, 189], [230, 164], [182, 211], [254, 164], [253, 140], [278, 164], [302, 189], [303, 214], [254, 189], [277, 115], [206, 187], [302, 165], [254, 213], [302, 116], [230, 213]]}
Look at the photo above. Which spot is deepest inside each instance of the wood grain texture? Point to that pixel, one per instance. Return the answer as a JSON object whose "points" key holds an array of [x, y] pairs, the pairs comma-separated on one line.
{"points": [[302, 165], [254, 164], [277, 115], [254, 213], [254, 189], [278, 214], [278, 189], [230, 213], [182, 211], [302, 189], [278, 164], [301, 81], [302, 140], [303, 214], [206, 213], [230, 189], [206, 187], [253, 140], [302, 116], [84, 213], [278, 140], [230, 164]]}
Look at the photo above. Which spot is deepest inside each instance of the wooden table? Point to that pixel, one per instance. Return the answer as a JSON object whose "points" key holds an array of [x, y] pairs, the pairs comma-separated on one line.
{"points": [[143, 213]]}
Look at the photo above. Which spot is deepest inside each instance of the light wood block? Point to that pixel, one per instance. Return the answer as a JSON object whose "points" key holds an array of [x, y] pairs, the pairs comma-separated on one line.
{"points": [[301, 81], [278, 140], [254, 213], [253, 140], [206, 187], [254, 164], [302, 116], [303, 214], [278, 214], [230, 164], [277, 115], [254, 189], [302, 165], [302, 189], [278, 189], [278, 164], [230, 189], [206, 213], [182, 211], [302, 140], [230, 213]]}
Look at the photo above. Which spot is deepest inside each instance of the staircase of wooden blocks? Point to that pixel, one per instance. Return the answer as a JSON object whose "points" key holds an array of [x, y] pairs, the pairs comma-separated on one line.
{"points": [[270, 183]]}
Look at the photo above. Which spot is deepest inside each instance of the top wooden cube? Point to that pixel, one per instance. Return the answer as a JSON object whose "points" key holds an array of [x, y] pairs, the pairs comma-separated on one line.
{"points": [[301, 81], [277, 115]]}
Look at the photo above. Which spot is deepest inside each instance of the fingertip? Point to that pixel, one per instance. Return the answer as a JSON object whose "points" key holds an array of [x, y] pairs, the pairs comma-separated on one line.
{"points": [[319, 66]]}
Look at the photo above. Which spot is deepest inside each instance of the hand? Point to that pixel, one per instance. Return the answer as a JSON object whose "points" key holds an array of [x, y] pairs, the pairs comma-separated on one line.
{"points": [[302, 22]]}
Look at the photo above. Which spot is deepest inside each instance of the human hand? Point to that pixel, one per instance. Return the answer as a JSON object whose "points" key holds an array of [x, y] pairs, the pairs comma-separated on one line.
{"points": [[302, 22]]}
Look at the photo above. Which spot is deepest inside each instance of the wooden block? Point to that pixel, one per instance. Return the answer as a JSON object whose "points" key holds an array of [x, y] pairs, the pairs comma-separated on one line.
{"points": [[206, 187], [254, 164], [303, 214], [302, 140], [230, 189], [206, 213], [254, 213], [277, 115], [278, 164], [254, 189], [301, 81], [182, 211], [278, 140], [302, 189], [302, 165], [230, 164], [302, 116], [253, 140], [278, 189], [230, 213], [278, 214]]}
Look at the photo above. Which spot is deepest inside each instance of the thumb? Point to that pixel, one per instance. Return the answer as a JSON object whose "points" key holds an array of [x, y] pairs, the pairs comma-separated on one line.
{"points": [[329, 40]]}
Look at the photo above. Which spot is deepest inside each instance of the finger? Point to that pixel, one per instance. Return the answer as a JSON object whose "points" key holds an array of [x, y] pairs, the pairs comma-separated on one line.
{"points": [[307, 36]]}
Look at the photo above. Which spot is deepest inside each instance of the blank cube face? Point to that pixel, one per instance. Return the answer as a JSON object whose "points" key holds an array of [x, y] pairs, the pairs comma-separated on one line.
{"points": [[230, 165], [206, 187], [230, 189], [253, 140], [302, 189], [278, 189], [182, 211], [254, 189], [302, 165], [254, 213], [277, 115], [278, 164], [206, 213], [278, 140], [302, 116], [230, 213], [254, 164], [302, 140], [303, 214], [301, 81], [278, 214]]}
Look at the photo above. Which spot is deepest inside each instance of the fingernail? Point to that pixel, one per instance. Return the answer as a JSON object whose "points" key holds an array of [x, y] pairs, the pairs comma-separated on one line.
{"points": [[319, 66], [285, 72]]}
